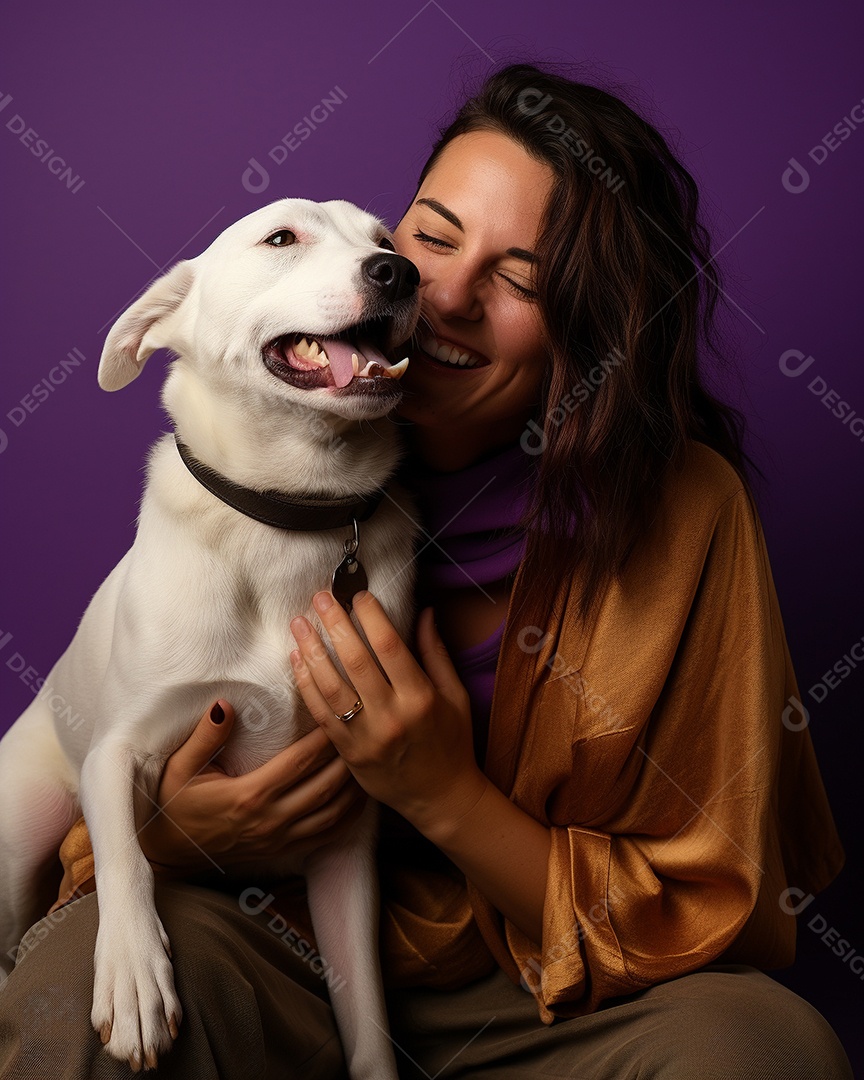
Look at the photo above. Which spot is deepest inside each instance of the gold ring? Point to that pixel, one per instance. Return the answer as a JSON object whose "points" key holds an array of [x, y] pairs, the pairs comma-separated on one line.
{"points": [[355, 708]]}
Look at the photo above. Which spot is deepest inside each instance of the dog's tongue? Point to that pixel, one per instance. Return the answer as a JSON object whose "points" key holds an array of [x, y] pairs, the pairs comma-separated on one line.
{"points": [[339, 354]]}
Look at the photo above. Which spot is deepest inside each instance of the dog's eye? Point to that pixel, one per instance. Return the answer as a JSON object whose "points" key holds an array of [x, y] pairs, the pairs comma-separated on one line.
{"points": [[281, 239], [384, 242]]}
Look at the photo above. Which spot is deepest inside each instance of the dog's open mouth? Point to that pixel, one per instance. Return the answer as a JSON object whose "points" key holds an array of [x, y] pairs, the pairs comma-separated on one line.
{"points": [[353, 356]]}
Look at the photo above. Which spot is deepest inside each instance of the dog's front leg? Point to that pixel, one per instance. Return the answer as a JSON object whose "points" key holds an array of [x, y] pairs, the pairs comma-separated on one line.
{"points": [[342, 889], [135, 1006]]}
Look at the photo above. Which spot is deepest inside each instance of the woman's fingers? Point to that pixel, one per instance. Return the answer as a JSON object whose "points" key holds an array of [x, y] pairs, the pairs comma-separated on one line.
{"points": [[310, 806], [327, 693], [208, 737], [302, 758], [361, 665], [345, 807], [298, 840], [402, 670], [260, 809], [311, 793], [321, 702], [323, 687]]}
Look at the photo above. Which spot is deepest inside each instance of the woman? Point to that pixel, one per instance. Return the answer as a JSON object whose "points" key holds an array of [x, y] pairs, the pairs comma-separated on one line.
{"points": [[608, 844]]}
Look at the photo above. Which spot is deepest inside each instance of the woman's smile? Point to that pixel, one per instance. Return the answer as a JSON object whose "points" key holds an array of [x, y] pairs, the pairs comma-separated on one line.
{"points": [[449, 353], [470, 231]]}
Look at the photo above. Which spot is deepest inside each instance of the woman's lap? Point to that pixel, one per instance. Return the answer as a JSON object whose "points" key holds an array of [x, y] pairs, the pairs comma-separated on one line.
{"points": [[724, 1021], [253, 1008]]}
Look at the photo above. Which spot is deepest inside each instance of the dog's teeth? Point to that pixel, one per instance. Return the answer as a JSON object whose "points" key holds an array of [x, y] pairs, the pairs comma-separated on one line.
{"points": [[373, 370], [355, 363], [397, 370], [311, 352]]}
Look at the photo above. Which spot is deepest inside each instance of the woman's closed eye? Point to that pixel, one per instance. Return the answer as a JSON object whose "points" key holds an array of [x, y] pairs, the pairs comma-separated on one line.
{"points": [[424, 238], [522, 291]]}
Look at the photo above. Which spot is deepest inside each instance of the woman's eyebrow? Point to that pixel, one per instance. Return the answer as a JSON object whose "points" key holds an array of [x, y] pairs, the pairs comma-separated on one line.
{"points": [[448, 215], [439, 208]]}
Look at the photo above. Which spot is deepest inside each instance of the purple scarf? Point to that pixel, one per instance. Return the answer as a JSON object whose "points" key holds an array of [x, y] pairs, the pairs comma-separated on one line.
{"points": [[473, 516]]}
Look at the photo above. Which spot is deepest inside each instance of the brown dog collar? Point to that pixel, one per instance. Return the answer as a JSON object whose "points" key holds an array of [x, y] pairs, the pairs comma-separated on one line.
{"points": [[308, 512]]}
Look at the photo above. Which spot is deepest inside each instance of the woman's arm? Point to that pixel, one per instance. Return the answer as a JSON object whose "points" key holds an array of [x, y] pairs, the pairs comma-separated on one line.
{"points": [[502, 850], [411, 748]]}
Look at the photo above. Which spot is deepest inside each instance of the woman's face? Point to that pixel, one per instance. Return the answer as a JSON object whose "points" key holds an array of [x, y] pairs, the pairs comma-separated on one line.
{"points": [[471, 233]]}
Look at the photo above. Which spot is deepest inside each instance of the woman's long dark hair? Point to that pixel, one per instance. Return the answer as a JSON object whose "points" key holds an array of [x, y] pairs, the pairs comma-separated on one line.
{"points": [[628, 289]]}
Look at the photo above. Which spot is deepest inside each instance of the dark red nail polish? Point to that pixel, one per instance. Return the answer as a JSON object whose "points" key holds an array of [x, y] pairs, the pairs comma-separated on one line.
{"points": [[217, 713]]}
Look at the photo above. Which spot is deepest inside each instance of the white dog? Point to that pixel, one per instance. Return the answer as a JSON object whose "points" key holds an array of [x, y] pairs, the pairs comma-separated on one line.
{"points": [[280, 383]]}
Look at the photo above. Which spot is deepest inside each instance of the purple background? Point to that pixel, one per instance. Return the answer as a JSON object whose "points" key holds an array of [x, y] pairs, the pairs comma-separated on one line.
{"points": [[158, 109]]}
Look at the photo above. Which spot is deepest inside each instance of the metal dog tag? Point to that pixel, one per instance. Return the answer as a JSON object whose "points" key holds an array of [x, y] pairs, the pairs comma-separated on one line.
{"points": [[349, 577]]}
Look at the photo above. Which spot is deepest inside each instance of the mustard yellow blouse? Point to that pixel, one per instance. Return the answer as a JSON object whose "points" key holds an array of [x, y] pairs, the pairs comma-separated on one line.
{"points": [[663, 746]]}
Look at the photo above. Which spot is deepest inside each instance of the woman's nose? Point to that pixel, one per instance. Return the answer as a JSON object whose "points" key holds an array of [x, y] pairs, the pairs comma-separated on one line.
{"points": [[452, 292]]}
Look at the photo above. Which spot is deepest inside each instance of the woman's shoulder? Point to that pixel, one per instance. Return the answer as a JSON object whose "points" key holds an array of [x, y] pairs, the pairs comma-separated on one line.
{"points": [[702, 483], [704, 537], [703, 504]]}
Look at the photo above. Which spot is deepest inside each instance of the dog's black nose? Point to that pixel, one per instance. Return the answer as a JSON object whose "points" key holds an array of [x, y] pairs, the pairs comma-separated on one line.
{"points": [[394, 276]]}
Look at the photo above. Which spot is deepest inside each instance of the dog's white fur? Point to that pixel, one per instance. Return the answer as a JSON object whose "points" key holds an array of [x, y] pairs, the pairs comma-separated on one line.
{"points": [[199, 608]]}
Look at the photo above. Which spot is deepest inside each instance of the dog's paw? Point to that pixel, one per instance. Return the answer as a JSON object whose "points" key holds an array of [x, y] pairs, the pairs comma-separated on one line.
{"points": [[136, 1011]]}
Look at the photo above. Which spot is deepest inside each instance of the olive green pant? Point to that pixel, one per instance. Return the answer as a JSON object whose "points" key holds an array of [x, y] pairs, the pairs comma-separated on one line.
{"points": [[254, 1009]]}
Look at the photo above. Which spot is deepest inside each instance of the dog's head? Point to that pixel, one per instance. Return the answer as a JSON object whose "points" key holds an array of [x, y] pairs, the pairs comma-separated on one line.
{"points": [[299, 299]]}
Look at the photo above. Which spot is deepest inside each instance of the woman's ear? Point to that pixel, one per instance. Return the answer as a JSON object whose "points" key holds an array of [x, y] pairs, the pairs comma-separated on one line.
{"points": [[136, 334]]}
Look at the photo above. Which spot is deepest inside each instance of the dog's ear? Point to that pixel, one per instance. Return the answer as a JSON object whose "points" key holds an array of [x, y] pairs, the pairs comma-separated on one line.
{"points": [[136, 335]]}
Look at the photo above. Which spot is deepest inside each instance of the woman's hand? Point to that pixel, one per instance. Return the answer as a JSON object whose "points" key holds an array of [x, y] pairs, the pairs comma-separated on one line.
{"points": [[411, 745], [302, 798]]}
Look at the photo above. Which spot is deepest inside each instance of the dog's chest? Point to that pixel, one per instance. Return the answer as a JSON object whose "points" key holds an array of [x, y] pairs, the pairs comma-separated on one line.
{"points": [[219, 593]]}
